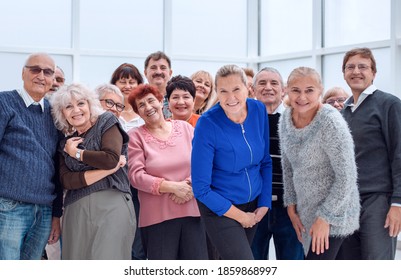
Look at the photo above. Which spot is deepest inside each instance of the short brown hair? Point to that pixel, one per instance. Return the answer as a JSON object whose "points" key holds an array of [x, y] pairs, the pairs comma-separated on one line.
{"points": [[249, 72], [140, 92], [363, 52], [157, 56]]}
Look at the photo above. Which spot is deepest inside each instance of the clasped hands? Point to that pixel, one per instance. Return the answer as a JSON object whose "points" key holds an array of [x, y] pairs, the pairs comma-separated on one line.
{"points": [[250, 219], [181, 192]]}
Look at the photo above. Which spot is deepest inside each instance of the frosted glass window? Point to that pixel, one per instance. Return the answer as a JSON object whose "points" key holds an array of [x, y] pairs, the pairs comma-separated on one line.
{"points": [[127, 25], [286, 26], [65, 63], [332, 72], [96, 70], [353, 21], [333, 75], [286, 66], [209, 27], [44, 23], [12, 78], [187, 68]]}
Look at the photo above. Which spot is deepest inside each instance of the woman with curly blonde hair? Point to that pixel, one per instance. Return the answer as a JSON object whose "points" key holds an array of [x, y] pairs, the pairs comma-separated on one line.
{"points": [[93, 171]]}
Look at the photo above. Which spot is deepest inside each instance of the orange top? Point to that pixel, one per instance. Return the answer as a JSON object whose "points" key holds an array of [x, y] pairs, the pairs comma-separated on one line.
{"points": [[193, 119]]}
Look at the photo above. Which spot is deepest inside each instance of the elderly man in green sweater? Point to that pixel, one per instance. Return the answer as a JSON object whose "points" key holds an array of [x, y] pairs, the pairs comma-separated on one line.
{"points": [[28, 143]]}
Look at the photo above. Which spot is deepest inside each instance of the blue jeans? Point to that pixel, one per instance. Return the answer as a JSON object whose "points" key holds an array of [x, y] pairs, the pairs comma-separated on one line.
{"points": [[278, 225], [24, 229]]}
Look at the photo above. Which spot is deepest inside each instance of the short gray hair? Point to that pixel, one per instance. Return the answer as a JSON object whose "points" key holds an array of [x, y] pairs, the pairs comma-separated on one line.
{"points": [[62, 97], [40, 54], [103, 89], [271, 70]]}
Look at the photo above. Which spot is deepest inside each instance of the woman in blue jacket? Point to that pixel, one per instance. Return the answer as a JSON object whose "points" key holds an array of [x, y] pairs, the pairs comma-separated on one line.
{"points": [[231, 166]]}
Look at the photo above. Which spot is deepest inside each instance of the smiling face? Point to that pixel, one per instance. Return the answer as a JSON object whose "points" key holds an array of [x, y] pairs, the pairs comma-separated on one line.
{"points": [[203, 88], [232, 93], [77, 114], [268, 88], [110, 98], [158, 72], [304, 94], [181, 104], [58, 81], [337, 100], [150, 109], [126, 85], [37, 85], [359, 77]]}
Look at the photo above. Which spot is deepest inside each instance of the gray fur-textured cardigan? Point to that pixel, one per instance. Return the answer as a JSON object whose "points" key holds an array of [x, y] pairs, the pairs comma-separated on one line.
{"points": [[319, 172]]}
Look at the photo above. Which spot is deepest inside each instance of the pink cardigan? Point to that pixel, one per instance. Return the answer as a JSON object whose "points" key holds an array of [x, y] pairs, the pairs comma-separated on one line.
{"points": [[151, 160]]}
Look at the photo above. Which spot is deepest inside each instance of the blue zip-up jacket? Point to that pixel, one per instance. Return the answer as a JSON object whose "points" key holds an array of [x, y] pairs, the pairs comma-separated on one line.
{"points": [[230, 162]]}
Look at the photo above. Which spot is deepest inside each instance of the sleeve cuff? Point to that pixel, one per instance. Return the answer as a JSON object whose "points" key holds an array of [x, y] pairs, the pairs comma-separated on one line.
{"points": [[156, 186]]}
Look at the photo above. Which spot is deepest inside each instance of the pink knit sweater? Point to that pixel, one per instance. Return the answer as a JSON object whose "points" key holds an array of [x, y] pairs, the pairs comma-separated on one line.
{"points": [[150, 160]]}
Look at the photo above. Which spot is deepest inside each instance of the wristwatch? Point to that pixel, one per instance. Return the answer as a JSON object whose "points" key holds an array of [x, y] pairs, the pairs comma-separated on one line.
{"points": [[78, 154]]}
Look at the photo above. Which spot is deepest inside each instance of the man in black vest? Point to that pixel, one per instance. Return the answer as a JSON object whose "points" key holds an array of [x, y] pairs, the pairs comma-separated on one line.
{"points": [[269, 89]]}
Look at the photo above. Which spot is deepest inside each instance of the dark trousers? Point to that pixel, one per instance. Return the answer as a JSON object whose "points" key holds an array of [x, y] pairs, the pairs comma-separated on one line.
{"points": [[232, 241], [175, 239], [137, 248], [372, 241], [330, 254], [277, 224]]}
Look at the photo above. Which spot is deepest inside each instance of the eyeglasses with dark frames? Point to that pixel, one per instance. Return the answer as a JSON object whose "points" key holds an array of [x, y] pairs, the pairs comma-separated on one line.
{"points": [[110, 104], [36, 70]]}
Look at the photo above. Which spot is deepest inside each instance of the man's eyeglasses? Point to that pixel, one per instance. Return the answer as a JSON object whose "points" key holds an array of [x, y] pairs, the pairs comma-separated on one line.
{"points": [[36, 70], [339, 100], [110, 104], [361, 67]]}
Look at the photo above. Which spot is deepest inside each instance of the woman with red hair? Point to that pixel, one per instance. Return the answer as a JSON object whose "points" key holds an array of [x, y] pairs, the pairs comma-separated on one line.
{"points": [[159, 163]]}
